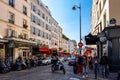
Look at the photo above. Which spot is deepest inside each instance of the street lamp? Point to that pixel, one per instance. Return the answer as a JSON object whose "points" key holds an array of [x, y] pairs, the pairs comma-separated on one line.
{"points": [[80, 44]]}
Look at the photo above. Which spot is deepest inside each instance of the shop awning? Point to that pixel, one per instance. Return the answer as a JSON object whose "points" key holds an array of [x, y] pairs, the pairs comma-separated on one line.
{"points": [[91, 39], [45, 50], [22, 41], [88, 51], [61, 53]]}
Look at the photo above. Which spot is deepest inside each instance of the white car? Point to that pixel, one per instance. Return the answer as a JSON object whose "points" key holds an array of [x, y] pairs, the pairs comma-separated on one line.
{"points": [[61, 59]]}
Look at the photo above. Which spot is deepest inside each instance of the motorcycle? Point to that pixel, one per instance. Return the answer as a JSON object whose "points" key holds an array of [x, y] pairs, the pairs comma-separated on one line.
{"points": [[3, 67], [58, 67]]}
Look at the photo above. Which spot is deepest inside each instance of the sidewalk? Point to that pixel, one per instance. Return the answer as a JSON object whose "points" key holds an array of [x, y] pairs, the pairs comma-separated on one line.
{"points": [[91, 76]]}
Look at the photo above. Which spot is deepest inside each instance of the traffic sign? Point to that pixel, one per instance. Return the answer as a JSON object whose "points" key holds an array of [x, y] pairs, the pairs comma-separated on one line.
{"points": [[80, 44]]}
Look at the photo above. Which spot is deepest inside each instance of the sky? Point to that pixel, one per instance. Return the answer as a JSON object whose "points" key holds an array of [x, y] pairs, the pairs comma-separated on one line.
{"points": [[69, 19]]}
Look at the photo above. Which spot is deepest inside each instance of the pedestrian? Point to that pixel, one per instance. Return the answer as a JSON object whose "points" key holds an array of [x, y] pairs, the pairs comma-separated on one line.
{"points": [[85, 65], [75, 66], [95, 62], [105, 65], [90, 62], [80, 63]]}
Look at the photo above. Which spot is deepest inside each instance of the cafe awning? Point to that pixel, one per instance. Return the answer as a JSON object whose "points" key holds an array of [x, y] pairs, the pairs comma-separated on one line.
{"points": [[45, 50]]}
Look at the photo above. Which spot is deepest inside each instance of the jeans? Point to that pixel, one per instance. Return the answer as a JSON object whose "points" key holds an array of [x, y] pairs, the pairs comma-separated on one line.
{"points": [[105, 71], [85, 72], [96, 69]]}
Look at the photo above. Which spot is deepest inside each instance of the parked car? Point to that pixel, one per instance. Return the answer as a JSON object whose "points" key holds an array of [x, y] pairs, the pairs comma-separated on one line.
{"points": [[61, 59], [45, 61], [39, 61], [49, 60], [71, 61]]}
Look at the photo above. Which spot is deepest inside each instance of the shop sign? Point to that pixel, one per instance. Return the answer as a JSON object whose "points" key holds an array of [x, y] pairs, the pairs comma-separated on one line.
{"points": [[11, 44]]}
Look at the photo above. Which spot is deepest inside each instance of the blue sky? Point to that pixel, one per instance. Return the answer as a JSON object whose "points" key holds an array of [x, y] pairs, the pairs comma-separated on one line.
{"points": [[68, 19]]}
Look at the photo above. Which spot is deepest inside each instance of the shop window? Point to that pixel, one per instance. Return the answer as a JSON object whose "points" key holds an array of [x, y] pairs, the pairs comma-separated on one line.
{"points": [[24, 54]]}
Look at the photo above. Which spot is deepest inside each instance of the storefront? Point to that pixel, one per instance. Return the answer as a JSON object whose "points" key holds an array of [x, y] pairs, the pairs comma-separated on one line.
{"points": [[2, 48], [19, 47], [44, 51], [110, 43]]}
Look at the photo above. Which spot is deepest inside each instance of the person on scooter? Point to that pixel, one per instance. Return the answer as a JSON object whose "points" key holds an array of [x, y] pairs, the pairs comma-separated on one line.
{"points": [[55, 59]]}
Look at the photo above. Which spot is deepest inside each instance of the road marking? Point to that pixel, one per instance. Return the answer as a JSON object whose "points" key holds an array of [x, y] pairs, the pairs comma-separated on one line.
{"points": [[74, 78]]}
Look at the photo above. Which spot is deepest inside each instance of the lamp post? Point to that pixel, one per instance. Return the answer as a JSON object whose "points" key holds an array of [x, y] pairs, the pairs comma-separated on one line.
{"points": [[80, 44]]}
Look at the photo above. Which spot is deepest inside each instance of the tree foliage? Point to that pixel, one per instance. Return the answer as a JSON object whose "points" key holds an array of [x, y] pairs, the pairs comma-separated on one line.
{"points": [[65, 37]]}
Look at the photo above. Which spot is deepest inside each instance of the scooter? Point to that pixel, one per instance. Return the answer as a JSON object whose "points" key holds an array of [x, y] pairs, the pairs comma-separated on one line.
{"points": [[58, 67], [3, 67]]}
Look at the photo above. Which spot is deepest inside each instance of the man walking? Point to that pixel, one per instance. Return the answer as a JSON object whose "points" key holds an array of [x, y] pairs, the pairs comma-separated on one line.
{"points": [[95, 61], [80, 64], [104, 63]]}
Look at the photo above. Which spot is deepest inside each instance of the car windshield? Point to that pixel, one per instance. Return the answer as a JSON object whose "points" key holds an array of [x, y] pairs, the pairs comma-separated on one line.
{"points": [[72, 58]]}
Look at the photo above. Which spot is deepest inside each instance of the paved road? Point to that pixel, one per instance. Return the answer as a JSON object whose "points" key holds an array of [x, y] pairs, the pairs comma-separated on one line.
{"points": [[45, 73], [40, 73]]}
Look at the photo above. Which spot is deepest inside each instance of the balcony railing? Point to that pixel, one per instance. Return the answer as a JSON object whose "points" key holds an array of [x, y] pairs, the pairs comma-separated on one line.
{"points": [[11, 21], [24, 12], [11, 4], [25, 26]]}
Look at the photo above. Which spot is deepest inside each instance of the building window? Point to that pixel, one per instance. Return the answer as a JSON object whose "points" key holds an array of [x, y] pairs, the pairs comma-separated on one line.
{"points": [[34, 8], [25, 36], [46, 18], [38, 22], [47, 35], [38, 32], [11, 18], [25, 10], [42, 23], [43, 35], [46, 26], [33, 30], [39, 12], [43, 16], [33, 18], [11, 33], [25, 23], [11, 3]]}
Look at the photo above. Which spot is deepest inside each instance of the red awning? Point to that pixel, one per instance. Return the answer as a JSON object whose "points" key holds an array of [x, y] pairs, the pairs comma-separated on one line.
{"points": [[61, 53], [88, 51], [45, 50]]}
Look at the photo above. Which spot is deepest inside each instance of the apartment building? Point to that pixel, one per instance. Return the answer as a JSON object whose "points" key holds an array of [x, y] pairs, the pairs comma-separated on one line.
{"points": [[24, 24], [15, 27], [41, 23], [105, 24], [71, 47], [60, 37], [44, 28], [55, 34], [64, 44]]}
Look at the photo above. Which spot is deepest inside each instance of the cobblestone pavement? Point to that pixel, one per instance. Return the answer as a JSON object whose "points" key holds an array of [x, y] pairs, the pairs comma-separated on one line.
{"points": [[44, 73]]}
